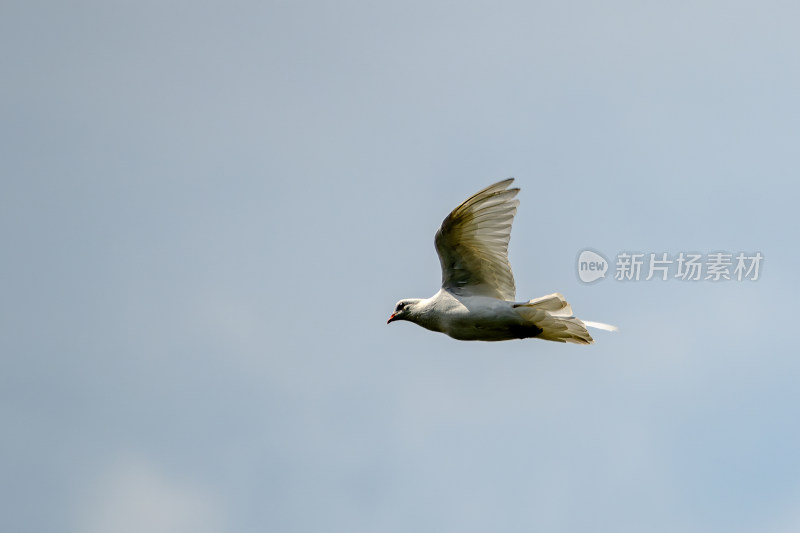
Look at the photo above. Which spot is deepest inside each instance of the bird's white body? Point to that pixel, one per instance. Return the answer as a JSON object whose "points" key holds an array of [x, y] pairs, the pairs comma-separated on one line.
{"points": [[470, 318], [476, 301]]}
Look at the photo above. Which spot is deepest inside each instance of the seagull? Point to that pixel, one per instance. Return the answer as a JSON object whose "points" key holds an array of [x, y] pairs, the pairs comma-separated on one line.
{"points": [[476, 301]]}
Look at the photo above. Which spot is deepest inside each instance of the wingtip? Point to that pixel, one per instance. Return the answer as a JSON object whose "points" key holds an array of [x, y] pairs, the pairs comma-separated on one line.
{"points": [[507, 182]]}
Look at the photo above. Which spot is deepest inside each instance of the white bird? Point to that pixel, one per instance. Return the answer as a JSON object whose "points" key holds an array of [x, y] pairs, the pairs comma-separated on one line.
{"points": [[476, 301]]}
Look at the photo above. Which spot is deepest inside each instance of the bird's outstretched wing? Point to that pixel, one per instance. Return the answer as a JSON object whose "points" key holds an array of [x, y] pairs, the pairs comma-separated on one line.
{"points": [[473, 244]]}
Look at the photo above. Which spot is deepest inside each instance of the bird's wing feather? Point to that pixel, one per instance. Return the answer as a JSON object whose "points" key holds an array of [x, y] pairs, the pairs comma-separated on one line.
{"points": [[473, 244]]}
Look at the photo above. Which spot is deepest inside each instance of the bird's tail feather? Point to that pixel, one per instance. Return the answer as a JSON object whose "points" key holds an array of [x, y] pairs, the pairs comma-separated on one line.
{"points": [[564, 329], [554, 303], [553, 315], [600, 325]]}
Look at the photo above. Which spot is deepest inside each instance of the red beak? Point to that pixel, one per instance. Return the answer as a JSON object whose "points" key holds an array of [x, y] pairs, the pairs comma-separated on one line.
{"points": [[391, 318]]}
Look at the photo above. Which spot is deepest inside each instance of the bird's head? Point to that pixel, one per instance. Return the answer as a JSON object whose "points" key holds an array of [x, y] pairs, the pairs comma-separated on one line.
{"points": [[404, 310]]}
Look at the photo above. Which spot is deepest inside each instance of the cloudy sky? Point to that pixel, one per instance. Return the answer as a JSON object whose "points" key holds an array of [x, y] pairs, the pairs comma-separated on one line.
{"points": [[208, 211]]}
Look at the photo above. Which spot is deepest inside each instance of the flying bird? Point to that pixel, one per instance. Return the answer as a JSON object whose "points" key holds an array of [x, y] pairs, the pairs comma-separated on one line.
{"points": [[476, 301]]}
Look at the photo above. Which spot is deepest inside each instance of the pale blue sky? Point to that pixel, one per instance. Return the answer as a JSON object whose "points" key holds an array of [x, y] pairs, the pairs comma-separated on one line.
{"points": [[208, 211]]}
